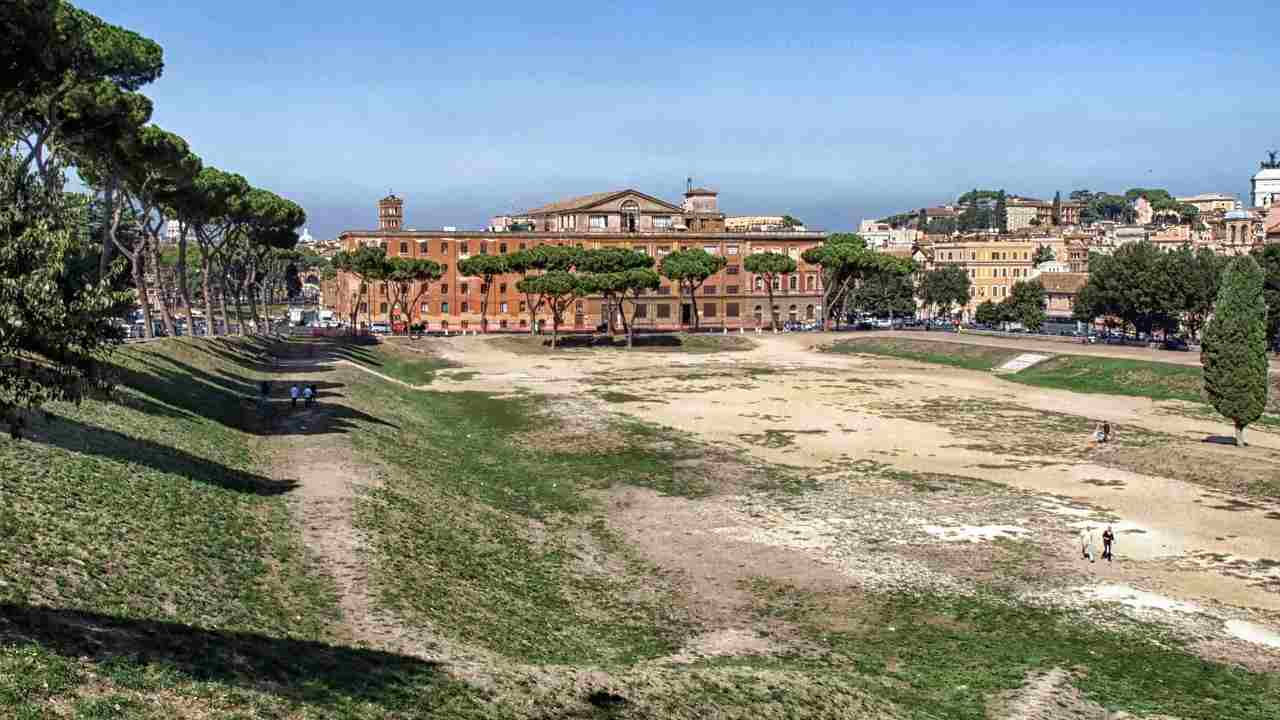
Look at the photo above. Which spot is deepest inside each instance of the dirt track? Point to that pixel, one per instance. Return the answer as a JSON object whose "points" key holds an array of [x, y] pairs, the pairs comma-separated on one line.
{"points": [[783, 402]]}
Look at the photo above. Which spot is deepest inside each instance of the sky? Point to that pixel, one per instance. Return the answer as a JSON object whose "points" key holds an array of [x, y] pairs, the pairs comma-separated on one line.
{"points": [[829, 113]]}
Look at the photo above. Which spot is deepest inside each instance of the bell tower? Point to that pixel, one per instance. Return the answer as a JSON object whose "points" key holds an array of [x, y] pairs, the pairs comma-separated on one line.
{"points": [[390, 213]]}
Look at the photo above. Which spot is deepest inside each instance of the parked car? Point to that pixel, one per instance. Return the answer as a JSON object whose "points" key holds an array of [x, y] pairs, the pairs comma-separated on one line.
{"points": [[1176, 344], [380, 328]]}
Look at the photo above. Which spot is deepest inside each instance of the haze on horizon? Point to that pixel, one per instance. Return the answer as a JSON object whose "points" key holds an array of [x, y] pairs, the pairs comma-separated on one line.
{"points": [[829, 114]]}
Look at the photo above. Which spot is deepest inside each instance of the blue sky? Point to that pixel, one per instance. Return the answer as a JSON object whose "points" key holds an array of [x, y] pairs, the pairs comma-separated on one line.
{"points": [[828, 113]]}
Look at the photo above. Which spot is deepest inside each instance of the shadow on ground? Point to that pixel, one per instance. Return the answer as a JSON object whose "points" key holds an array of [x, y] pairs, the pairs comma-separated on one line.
{"points": [[303, 670]]}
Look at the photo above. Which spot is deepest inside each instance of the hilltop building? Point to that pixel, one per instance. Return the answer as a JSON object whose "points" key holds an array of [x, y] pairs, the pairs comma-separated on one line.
{"points": [[1266, 182], [622, 218], [1212, 202]]}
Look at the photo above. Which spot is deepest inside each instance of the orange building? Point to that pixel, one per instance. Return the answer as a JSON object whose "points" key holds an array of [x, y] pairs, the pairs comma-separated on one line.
{"points": [[733, 298]]}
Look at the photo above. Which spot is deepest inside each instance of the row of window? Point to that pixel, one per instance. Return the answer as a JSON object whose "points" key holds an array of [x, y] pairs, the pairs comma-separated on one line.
{"points": [[464, 248], [661, 311], [792, 283], [998, 272], [959, 255]]}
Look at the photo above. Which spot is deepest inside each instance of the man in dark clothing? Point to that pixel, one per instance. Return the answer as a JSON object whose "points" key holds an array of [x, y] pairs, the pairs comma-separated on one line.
{"points": [[1108, 537], [1106, 431]]}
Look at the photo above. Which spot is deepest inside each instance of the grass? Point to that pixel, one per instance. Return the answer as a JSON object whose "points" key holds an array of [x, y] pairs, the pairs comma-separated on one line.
{"points": [[693, 343], [416, 366], [961, 355], [478, 573], [937, 656], [148, 557]]}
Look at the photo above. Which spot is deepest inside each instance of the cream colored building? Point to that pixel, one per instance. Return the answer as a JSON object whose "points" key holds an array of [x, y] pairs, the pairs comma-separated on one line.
{"points": [[1211, 202], [993, 266], [1022, 213], [759, 223]]}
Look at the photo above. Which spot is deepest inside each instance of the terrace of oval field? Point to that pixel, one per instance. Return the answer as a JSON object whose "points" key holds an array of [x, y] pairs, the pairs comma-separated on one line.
{"points": [[901, 473]]}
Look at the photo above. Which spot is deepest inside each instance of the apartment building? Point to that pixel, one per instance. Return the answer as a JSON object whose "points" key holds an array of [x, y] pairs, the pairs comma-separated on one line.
{"points": [[993, 266], [1212, 202], [629, 218]]}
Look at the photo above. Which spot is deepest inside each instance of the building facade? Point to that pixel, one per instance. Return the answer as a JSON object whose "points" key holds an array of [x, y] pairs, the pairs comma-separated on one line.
{"points": [[993, 266], [1266, 183], [732, 299], [1211, 202]]}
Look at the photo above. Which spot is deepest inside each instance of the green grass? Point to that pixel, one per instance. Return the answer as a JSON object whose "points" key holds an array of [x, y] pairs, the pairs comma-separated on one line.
{"points": [[474, 571], [1114, 376], [939, 656], [147, 554], [968, 357], [415, 365]]}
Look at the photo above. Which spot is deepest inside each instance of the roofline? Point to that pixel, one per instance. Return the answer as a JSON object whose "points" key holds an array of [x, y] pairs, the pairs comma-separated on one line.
{"points": [[538, 212], [780, 235]]}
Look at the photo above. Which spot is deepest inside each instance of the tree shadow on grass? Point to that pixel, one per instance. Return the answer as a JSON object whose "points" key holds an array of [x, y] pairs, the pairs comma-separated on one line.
{"points": [[301, 670], [78, 437]]}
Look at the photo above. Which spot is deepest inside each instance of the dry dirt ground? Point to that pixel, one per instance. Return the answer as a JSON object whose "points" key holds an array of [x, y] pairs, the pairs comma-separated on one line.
{"points": [[911, 475]]}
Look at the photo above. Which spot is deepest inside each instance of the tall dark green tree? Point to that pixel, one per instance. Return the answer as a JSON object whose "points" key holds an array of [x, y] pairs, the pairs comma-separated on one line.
{"points": [[1234, 352], [884, 293], [1056, 212], [689, 269], [1269, 258], [486, 267], [944, 288], [1025, 305], [619, 276], [1002, 213]]}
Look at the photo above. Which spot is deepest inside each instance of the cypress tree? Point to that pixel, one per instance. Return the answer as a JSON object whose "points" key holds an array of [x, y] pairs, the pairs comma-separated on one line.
{"points": [[1057, 208], [1234, 352], [1002, 213]]}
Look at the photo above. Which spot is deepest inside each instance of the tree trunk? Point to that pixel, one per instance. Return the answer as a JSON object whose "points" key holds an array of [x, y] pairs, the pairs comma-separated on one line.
{"points": [[140, 283], [162, 289], [206, 271], [555, 330], [693, 303], [1240, 435], [108, 243], [184, 290], [626, 324], [253, 311], [533, 313], [773, 309]]}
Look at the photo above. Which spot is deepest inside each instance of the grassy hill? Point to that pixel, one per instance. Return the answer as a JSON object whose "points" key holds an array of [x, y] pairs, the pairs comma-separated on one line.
{"points": [[154, 567]]}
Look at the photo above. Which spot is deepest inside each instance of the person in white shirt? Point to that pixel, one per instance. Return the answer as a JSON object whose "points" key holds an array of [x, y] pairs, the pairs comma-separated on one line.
{"points": [[306, 396], [293, 395], [1086, 543]]}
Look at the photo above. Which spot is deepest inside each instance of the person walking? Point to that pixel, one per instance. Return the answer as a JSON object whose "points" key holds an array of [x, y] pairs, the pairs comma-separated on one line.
{"points": [[1108, 538], [293, 395], [307, 394], [1086, 544], [1106, 431]]}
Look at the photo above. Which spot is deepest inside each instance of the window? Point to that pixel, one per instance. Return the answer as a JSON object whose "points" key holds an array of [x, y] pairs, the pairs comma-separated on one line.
{"points": [[484, 248], [793, 283], [426, 308], [777, 283], [579, 306], [711, 249], [484, 288], [642, 249], [710, 290], [664, 289], [463, 287], [599, 222], [731, 270], [502, 324], [444, 324], [811, 282], [708, 310], [444, 247], [444, 289], [465, 324], [382, 308], [731, 310], [502, 288], [444, 269], [664, 311], [791, 312], [524, 323], [759, 283], [642, 311], [663, 250], [444, 309], [520, 246], [502, 307], [662, 222], [524, 307], [731, 289], [364, 307], [731, 250], [808, 312], [423, 248], [758, 314], [502, 248]]}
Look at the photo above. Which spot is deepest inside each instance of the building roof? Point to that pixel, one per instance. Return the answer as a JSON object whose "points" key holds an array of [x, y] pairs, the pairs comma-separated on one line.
{"points": [[1065, 283], [1268, 174], [585, 201], [1272, 221], [700, 191], [1204, 197]]}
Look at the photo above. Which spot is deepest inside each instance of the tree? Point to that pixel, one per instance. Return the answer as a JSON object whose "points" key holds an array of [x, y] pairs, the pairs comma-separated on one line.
{"points": [[1234, 352], [988, 313], [539, 259], [608, 272], [690, 268], [1002, 213], [884, 292], [789, 222], [770, 266], [485, 267], [367, 264], [1055, 214], [268, 223], [845, 259], [210, 208], [1131, 284], [557, 289], [57, 314], [944, 287], [410, 275], [1043, 254], [1025, 305], [1269, 258], [1193, 278], [922, 220]]}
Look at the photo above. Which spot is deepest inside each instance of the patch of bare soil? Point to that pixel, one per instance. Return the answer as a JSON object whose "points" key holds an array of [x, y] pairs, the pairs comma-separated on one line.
{"points": [[1249, 470], [1047, 696], [711, 567]]}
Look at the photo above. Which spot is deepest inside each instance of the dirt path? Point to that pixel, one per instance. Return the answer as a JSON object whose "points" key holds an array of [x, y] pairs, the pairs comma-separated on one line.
{"points": [[330, 481]]}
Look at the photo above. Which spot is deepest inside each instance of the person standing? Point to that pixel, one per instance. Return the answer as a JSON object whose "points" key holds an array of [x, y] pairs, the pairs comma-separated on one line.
{"points": [[1108, 538], [306, 396], [293, 395], [1086, 544]]}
